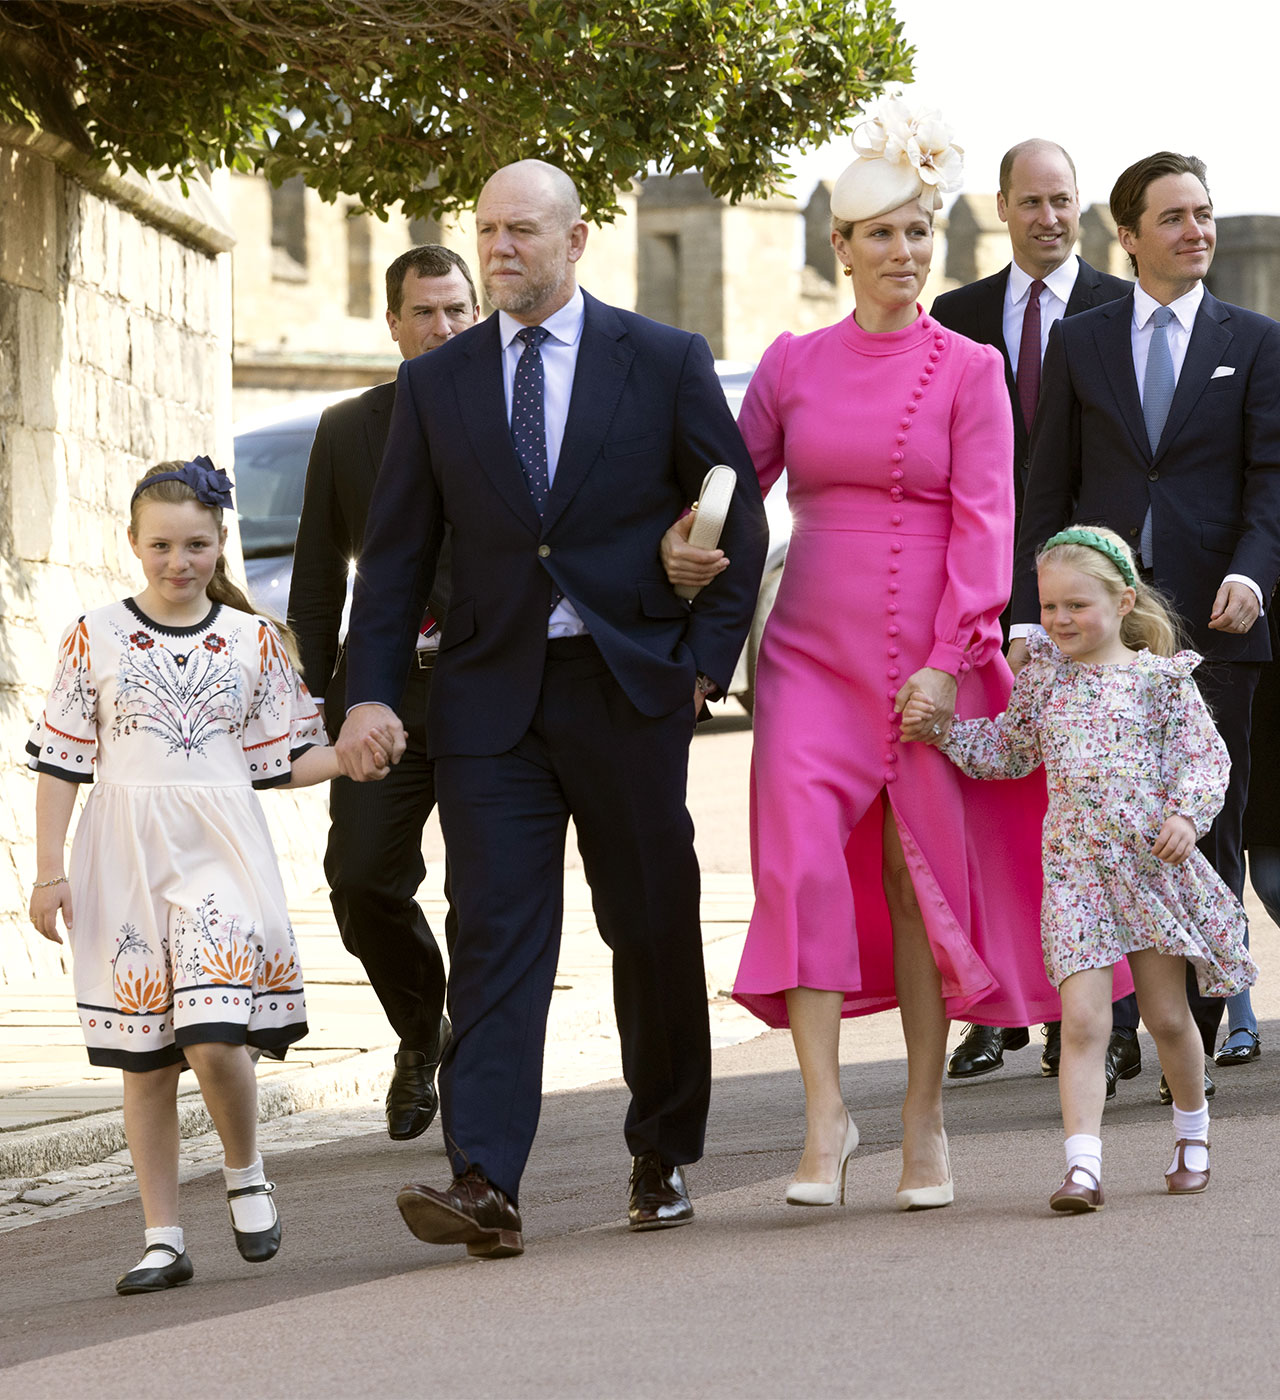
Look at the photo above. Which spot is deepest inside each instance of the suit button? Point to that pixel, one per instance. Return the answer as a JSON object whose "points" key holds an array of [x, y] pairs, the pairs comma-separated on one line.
{"points": [[544, 551], [1133, 533], [1153, 476]]}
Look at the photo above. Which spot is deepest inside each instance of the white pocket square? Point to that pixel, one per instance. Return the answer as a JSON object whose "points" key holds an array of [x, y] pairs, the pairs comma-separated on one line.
{"points": [[1222, 371]]}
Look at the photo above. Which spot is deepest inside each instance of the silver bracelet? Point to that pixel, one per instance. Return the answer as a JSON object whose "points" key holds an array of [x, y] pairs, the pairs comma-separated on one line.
{"points": [[48, 884]]}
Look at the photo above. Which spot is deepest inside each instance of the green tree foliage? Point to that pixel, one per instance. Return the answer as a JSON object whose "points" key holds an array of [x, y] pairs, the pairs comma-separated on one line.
{"points": [[419, 100]]}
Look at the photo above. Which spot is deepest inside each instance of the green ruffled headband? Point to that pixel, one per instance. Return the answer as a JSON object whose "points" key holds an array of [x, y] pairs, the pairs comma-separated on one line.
{"points": [[1091, 540]]}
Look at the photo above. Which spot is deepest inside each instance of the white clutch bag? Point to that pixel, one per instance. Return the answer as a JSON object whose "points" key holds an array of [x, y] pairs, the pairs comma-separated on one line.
{"points": [[708, 520]]}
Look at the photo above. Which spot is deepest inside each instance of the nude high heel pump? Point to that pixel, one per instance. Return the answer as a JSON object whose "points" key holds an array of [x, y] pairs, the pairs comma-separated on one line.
{"points": [[825, 1193], [929, 1197]]}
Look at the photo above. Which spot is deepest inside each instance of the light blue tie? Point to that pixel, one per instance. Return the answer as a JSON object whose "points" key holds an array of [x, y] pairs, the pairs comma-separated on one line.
{"points": [[1157, 395]]}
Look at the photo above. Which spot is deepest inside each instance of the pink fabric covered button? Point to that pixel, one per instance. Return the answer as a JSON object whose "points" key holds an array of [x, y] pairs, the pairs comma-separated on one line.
{"points": [[896, 519], [894, 586], [893, 673], [895, 493], [890, 776], [894, 630], [895, 651], [911, 407], [896, 457], [896, 474]]}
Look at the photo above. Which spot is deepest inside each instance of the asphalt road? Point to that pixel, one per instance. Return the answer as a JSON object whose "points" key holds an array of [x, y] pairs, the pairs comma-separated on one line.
{"points": [[995, 1297]]}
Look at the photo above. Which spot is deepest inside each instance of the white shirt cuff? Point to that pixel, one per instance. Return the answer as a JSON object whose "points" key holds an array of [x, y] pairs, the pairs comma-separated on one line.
{"points": [[1020, 631], [1249, 583]]}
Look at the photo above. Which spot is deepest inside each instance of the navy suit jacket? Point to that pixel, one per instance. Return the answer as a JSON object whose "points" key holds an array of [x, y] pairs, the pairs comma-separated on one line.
{"points": [[977, 310], [1213, 482], [647, 419]]}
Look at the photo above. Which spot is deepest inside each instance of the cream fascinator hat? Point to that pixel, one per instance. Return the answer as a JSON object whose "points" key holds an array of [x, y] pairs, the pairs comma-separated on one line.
{"points": [[900, 154]]}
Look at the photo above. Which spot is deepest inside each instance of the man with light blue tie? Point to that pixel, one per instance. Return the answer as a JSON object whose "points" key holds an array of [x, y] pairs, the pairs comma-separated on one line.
{"points": [[558, 440], [1160, 416]]}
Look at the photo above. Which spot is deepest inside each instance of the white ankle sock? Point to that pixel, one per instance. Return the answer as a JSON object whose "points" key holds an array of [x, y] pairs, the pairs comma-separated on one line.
{"points": [[249, 1213], [1084, 1150], [155, 1258], [1192, 1125]]}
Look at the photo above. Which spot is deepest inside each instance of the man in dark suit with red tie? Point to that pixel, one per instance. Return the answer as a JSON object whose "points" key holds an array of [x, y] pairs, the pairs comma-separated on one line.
{"points": [[558, 440], [1160, 417], [373, 861], [1014, 310]]}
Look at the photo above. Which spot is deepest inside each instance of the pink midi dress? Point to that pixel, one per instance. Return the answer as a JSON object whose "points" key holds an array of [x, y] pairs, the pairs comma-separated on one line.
{"points": [[897, 448]]}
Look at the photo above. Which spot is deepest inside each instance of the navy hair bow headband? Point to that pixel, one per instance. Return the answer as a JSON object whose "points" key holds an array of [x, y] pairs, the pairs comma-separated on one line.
{"points": [[212, 487]]}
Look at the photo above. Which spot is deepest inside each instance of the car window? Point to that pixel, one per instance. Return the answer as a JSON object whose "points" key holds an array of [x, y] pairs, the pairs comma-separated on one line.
{"points": [[271, 471]]}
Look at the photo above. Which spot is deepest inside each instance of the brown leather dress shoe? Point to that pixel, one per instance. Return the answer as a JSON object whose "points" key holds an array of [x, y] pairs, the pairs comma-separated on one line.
{"points": [[1182, 1181], [473, 1211], [1078, 1196], [659, 1196]]}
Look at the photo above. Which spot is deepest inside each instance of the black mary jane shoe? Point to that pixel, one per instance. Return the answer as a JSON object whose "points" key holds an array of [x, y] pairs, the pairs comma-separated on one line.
{"points": [[257, 1246], [174, 1274], [1239, 1051]]}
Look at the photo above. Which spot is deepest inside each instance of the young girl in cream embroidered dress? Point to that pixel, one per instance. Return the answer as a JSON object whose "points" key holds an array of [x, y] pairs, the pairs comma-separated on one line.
{"points": [[176, 705]]}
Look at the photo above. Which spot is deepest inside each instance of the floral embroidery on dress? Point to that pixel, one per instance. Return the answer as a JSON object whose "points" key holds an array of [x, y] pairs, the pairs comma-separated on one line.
{"points": [[182, 698], [72, 686], [139, 992]]}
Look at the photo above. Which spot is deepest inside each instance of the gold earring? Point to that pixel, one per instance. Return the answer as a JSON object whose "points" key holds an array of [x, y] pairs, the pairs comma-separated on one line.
{"points": [[848, 271]]}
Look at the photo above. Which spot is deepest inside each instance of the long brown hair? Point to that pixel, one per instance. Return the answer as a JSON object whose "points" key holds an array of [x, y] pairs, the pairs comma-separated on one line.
{"points": [[222, 587]]}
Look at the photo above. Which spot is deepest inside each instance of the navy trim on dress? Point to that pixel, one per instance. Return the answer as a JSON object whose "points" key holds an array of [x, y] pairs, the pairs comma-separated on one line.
{"points": [[172, 631]]}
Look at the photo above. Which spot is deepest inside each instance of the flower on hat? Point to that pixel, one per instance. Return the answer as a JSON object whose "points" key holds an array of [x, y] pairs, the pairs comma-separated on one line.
{"points": [[891, 130]]}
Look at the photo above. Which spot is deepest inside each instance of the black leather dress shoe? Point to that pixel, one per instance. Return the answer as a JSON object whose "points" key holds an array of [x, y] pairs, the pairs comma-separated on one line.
{"points": [[1124, 1058], [659, 1196], [473, 1211], [412, 1099], [174, 1274], [982, 1049], [1239, 1048], [1166, 1094], [1051, 1055]]}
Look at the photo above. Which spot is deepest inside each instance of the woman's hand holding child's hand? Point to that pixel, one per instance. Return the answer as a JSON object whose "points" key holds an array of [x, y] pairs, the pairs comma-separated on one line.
{"points": [[1176, 841]]}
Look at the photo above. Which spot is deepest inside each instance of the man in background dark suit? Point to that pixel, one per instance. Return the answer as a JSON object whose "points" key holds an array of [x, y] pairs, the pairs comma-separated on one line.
{"points": [[1014, 310], [558, 440], [1160, 418], [373, 861]]}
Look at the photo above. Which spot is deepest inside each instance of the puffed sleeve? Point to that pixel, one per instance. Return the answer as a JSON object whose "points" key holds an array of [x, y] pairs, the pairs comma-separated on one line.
{"points": [[64, 740], [758, 419], [980, 551], [283, 721], [1193, 759], [1009, 745]]}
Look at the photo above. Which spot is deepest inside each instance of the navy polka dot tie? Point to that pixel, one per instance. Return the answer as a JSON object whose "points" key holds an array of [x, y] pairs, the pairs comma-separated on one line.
{"points": [[528, 423]]}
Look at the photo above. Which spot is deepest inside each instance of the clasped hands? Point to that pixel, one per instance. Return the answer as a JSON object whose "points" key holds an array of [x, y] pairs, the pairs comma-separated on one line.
{"points": [[372, 739], [927, 704]]}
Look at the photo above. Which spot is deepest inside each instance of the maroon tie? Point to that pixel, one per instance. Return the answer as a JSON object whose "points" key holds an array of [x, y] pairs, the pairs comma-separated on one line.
{"points": [[1028, 380]]}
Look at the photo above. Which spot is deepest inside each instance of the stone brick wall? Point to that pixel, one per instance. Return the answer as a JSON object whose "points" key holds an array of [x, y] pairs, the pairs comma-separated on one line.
{"points": [[115, 352]]}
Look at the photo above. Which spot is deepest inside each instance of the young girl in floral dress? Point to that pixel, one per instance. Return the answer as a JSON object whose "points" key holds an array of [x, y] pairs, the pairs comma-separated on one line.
{"points": [[1136, 772], [184, 701]]}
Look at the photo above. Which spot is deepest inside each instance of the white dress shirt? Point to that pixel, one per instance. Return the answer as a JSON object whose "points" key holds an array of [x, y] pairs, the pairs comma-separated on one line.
{"points": [[1058, 286], [559, 363]]}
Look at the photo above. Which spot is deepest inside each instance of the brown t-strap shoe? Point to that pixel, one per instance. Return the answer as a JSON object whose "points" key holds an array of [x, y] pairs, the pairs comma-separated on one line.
{"points": [[1182, 1181], [1077, 1196]]}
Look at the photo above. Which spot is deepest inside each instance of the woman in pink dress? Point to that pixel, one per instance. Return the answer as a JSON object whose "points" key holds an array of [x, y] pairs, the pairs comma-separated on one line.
{"points": [[883, 877]]}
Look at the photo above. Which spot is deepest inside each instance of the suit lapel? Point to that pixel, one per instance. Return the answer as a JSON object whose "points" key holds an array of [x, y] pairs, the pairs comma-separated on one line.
{"points": [[989, 327], [604, 361], [482, 406], [1112, 336], [1209, 340], [1081, 298], [377, 424]]}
